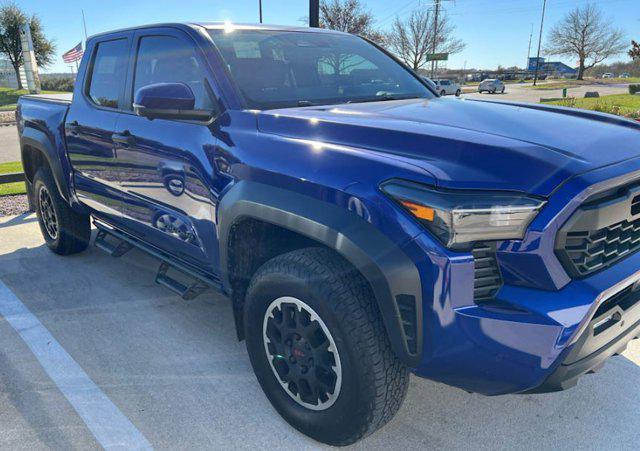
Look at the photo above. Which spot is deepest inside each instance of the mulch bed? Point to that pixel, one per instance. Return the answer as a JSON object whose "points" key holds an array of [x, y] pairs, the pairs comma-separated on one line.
{"points": [[13, 205], [7, 117]]}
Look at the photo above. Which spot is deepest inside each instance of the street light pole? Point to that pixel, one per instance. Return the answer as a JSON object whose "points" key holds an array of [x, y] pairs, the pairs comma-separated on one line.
{"points": [[260, 8], [535, 77], [314, 13]]}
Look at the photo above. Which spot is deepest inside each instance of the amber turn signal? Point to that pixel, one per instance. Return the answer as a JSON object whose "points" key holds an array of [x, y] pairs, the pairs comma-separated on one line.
{"points": [[419, 211]]}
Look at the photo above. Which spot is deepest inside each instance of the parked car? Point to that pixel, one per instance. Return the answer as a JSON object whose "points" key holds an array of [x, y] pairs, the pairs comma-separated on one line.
{"points": [[491, 85], [447, 87], [608, 75], [625, 75], [362, 227]]}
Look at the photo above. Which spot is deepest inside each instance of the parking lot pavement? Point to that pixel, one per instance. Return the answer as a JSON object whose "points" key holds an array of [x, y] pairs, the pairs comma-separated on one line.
{"points": [[175, 370], [9, 145], [523, 93]]}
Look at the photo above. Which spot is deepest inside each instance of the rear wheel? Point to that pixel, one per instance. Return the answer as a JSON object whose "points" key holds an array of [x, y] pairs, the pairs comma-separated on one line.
{"points": [[502, 92], [319, 348], [64, 230]]}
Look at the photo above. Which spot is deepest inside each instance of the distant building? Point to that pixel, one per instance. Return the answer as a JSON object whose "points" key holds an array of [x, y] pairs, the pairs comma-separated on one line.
{"points": [[553, 68]]}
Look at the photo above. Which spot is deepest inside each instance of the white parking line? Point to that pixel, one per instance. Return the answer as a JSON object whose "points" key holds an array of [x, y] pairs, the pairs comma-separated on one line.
{"points": [[111, 428]]}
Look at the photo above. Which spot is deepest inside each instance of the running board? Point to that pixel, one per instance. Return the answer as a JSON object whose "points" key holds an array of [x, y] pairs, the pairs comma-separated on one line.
{"points": [[186, 292], [199, 281], [117, 250]]}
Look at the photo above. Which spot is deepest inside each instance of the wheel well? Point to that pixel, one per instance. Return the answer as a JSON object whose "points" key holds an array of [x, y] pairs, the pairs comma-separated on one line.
{"points": [[32, 159], [252, 243]]}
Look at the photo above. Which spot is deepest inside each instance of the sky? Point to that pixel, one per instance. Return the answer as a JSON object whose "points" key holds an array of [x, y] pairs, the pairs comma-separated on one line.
{"points": [[496, 31]]}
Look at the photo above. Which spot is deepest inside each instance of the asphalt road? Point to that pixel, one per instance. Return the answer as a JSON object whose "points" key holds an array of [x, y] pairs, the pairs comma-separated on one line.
{"points": [[173, 373], [9, 146], [524, 93]]}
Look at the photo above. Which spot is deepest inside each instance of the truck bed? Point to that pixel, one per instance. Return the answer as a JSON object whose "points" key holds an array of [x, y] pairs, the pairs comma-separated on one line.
{"points": [[59, 98]]}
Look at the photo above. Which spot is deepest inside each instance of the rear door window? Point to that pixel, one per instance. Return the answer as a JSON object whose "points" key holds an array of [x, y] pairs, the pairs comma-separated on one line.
{"points": [[108, 72]]}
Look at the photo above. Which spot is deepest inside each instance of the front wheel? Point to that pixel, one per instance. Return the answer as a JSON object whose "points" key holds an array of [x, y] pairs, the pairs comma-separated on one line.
{"points": [[443, 93], [458, 92], [319, 348], [64, 230], [502, 92]]}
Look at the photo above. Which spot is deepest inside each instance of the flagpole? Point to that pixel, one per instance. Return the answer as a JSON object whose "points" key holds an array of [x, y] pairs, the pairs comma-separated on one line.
{"points": [[84, 23]]}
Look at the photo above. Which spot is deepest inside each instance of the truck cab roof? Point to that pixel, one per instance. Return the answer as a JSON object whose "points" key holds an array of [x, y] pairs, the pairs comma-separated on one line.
{"points": [[220, 26]]}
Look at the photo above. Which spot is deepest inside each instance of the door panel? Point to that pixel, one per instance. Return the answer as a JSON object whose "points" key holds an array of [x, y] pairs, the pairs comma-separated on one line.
{"points": [[164, 166], [91, 122], [164, 177]]}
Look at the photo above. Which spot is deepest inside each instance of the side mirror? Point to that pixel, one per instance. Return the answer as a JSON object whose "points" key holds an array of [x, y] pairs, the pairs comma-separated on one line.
{"points": [[168, 101]]}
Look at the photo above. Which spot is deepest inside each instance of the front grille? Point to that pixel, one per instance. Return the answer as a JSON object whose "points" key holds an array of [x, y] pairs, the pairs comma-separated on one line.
{"points": [[589, 251], [601, 232], [487, 278]]}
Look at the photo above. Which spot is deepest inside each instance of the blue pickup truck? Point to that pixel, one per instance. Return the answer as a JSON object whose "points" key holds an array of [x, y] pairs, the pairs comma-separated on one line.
{"points": [[363, 227]]}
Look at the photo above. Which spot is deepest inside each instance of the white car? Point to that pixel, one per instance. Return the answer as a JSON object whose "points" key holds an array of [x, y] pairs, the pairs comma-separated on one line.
{"points": [[447, 87], [491, 85], [608, 75]]}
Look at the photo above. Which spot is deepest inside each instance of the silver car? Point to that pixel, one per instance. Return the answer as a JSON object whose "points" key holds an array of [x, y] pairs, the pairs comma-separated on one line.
{"points": [[491, 85]]}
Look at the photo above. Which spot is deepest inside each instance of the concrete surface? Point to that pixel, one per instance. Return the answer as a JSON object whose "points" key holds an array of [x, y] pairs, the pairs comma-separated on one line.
{"points": [[176, 371], [524, 93], [9, 144]]}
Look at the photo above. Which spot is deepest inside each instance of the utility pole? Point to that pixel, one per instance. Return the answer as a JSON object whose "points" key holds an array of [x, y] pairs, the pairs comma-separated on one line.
{"points": [[260, 8], [526, 66], [314, 13], [535, 77], [435, 36]]}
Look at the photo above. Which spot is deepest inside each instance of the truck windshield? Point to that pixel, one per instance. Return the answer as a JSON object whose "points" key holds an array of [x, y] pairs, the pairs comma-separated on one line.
{"points": [[279, 69]]}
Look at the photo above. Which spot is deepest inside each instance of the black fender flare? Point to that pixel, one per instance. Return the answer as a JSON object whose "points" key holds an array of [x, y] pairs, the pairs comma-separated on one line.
{"points": [[39, 141], [394, 278]]}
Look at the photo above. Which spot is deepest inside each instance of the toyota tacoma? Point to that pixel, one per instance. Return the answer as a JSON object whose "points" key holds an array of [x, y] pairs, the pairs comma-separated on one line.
{"points": [[362, 227]]}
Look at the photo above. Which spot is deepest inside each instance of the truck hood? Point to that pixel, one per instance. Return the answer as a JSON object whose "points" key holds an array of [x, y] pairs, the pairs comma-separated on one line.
{"points": [[467, 143]]}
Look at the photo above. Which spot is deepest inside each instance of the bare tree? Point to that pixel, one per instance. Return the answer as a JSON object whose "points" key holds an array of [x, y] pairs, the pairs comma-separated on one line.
{"points": [[586, 35], [348, 16], [412, 39]]}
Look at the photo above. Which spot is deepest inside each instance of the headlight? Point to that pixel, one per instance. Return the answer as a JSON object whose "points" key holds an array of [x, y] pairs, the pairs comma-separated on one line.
{"points": [[460, 217]]}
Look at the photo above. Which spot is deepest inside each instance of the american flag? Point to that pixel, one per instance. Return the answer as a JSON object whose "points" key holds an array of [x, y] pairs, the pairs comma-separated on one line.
{"points": [[75, 54]]}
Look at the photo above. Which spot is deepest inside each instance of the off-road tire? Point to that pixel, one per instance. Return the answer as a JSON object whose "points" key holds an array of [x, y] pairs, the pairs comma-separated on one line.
{"points": [[73, 228], [374, 381]]}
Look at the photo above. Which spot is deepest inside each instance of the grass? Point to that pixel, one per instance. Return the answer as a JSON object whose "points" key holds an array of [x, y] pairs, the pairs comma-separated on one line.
{"points": [[620, 104], [11, 188], [561, 84], [9, 97]]}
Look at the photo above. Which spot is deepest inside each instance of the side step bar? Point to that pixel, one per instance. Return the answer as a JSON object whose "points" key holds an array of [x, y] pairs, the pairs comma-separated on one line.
{"points": [[200, 280]]}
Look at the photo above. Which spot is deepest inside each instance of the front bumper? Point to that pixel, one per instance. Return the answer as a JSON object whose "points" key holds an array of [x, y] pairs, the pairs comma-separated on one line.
{"points": [[545, 329]]}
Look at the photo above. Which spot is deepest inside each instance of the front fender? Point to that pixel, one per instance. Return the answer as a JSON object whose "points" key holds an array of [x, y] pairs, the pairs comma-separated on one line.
{"points": [[394, 278]]}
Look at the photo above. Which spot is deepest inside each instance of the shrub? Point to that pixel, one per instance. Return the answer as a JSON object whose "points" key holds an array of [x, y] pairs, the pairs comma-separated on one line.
{"points": [[57, 83], [634, 89]]}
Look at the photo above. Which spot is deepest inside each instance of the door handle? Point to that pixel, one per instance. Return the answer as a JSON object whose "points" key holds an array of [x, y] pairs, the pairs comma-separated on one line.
{"points": [[73, 128], [125, 138]]}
